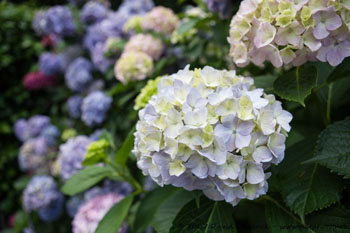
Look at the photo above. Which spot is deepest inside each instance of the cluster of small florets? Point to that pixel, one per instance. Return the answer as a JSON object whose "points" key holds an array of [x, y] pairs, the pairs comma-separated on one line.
{"points": [[111, 26], [42, 195], [90, 214], [211, 130], [221, 7], [39, 139], [146, 43], [51, 64], [146, 93], [37, 80], [57, 20], [160, 19], [74, 106], [78, 75], [94, 108], [93, 12], [133, 66], [290, 32], [71, 155]]}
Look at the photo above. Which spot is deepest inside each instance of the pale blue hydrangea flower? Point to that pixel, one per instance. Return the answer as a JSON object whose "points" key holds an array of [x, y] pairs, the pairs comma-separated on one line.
{"points": [[74, 106], [51, 63], [50, 134], [73, 204], [41, 192], [36, 124], [98, 58], [53, 211], [213, 131], [95, 107], [93, 12], [59, 21], [94, 35], [221, 7], [78, 75], [21, 130], [33, 155], [71, 155]]}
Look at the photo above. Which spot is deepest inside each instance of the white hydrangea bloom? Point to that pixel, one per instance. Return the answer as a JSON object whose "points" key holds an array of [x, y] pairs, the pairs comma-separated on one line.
{"points": [[211, 130], [290, 32]]}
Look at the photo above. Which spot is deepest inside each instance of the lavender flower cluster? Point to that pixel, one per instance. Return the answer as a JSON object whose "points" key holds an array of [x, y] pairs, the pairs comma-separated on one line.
{"points": [[71, 155], [57, 20], [42, 195], [39, 139], [290, 32], [211, 130]]}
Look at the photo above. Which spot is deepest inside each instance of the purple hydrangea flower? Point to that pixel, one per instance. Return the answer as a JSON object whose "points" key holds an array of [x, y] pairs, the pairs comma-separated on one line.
{"points": [[39, 23], [36, 124], [78, 75], [51, 63], [74, 106], [50, 134], [95, 107], [222, 7], [137, 7], [93, 12], [53, 211], [21, 130], [73, 205], [59, 21], [72, 154], [94, 36], [33, 155], [116, 187], [40, 193], [98, 58]]}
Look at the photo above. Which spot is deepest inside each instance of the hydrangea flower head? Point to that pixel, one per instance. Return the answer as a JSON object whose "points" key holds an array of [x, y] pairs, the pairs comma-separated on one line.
{"points": [[290, 32], [146, 43], [37, 123], [93, 12], [133, 66], [53, 210], [94, 108], [146, 93], [74, 106], [90, 213], [37, 80], [33, 155], [40, 193], [222, 7], [211, 130], [21, 130], [51, 63], [72, 154], [57, 20], [78, 75], [160, 19]]}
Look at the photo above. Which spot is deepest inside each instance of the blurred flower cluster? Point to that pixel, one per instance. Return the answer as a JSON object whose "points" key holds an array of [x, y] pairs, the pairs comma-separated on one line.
{"points": [[290, 32]]}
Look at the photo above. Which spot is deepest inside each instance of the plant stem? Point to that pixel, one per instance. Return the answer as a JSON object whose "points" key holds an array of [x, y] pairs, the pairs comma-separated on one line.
{"points": [[130, 179], [329, 100]]}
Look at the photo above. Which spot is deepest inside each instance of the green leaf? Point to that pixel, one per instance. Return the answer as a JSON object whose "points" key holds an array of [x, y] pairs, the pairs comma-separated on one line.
{"points": [[85, 178], [264, 81], [114, 218], [185, 27], [341, 71], [296, 84], [280, 220], [168, 210], [123, 153], [333, 148], [149, 206], [306, 187], [96, 152], [209, 217], [334, 219]]}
